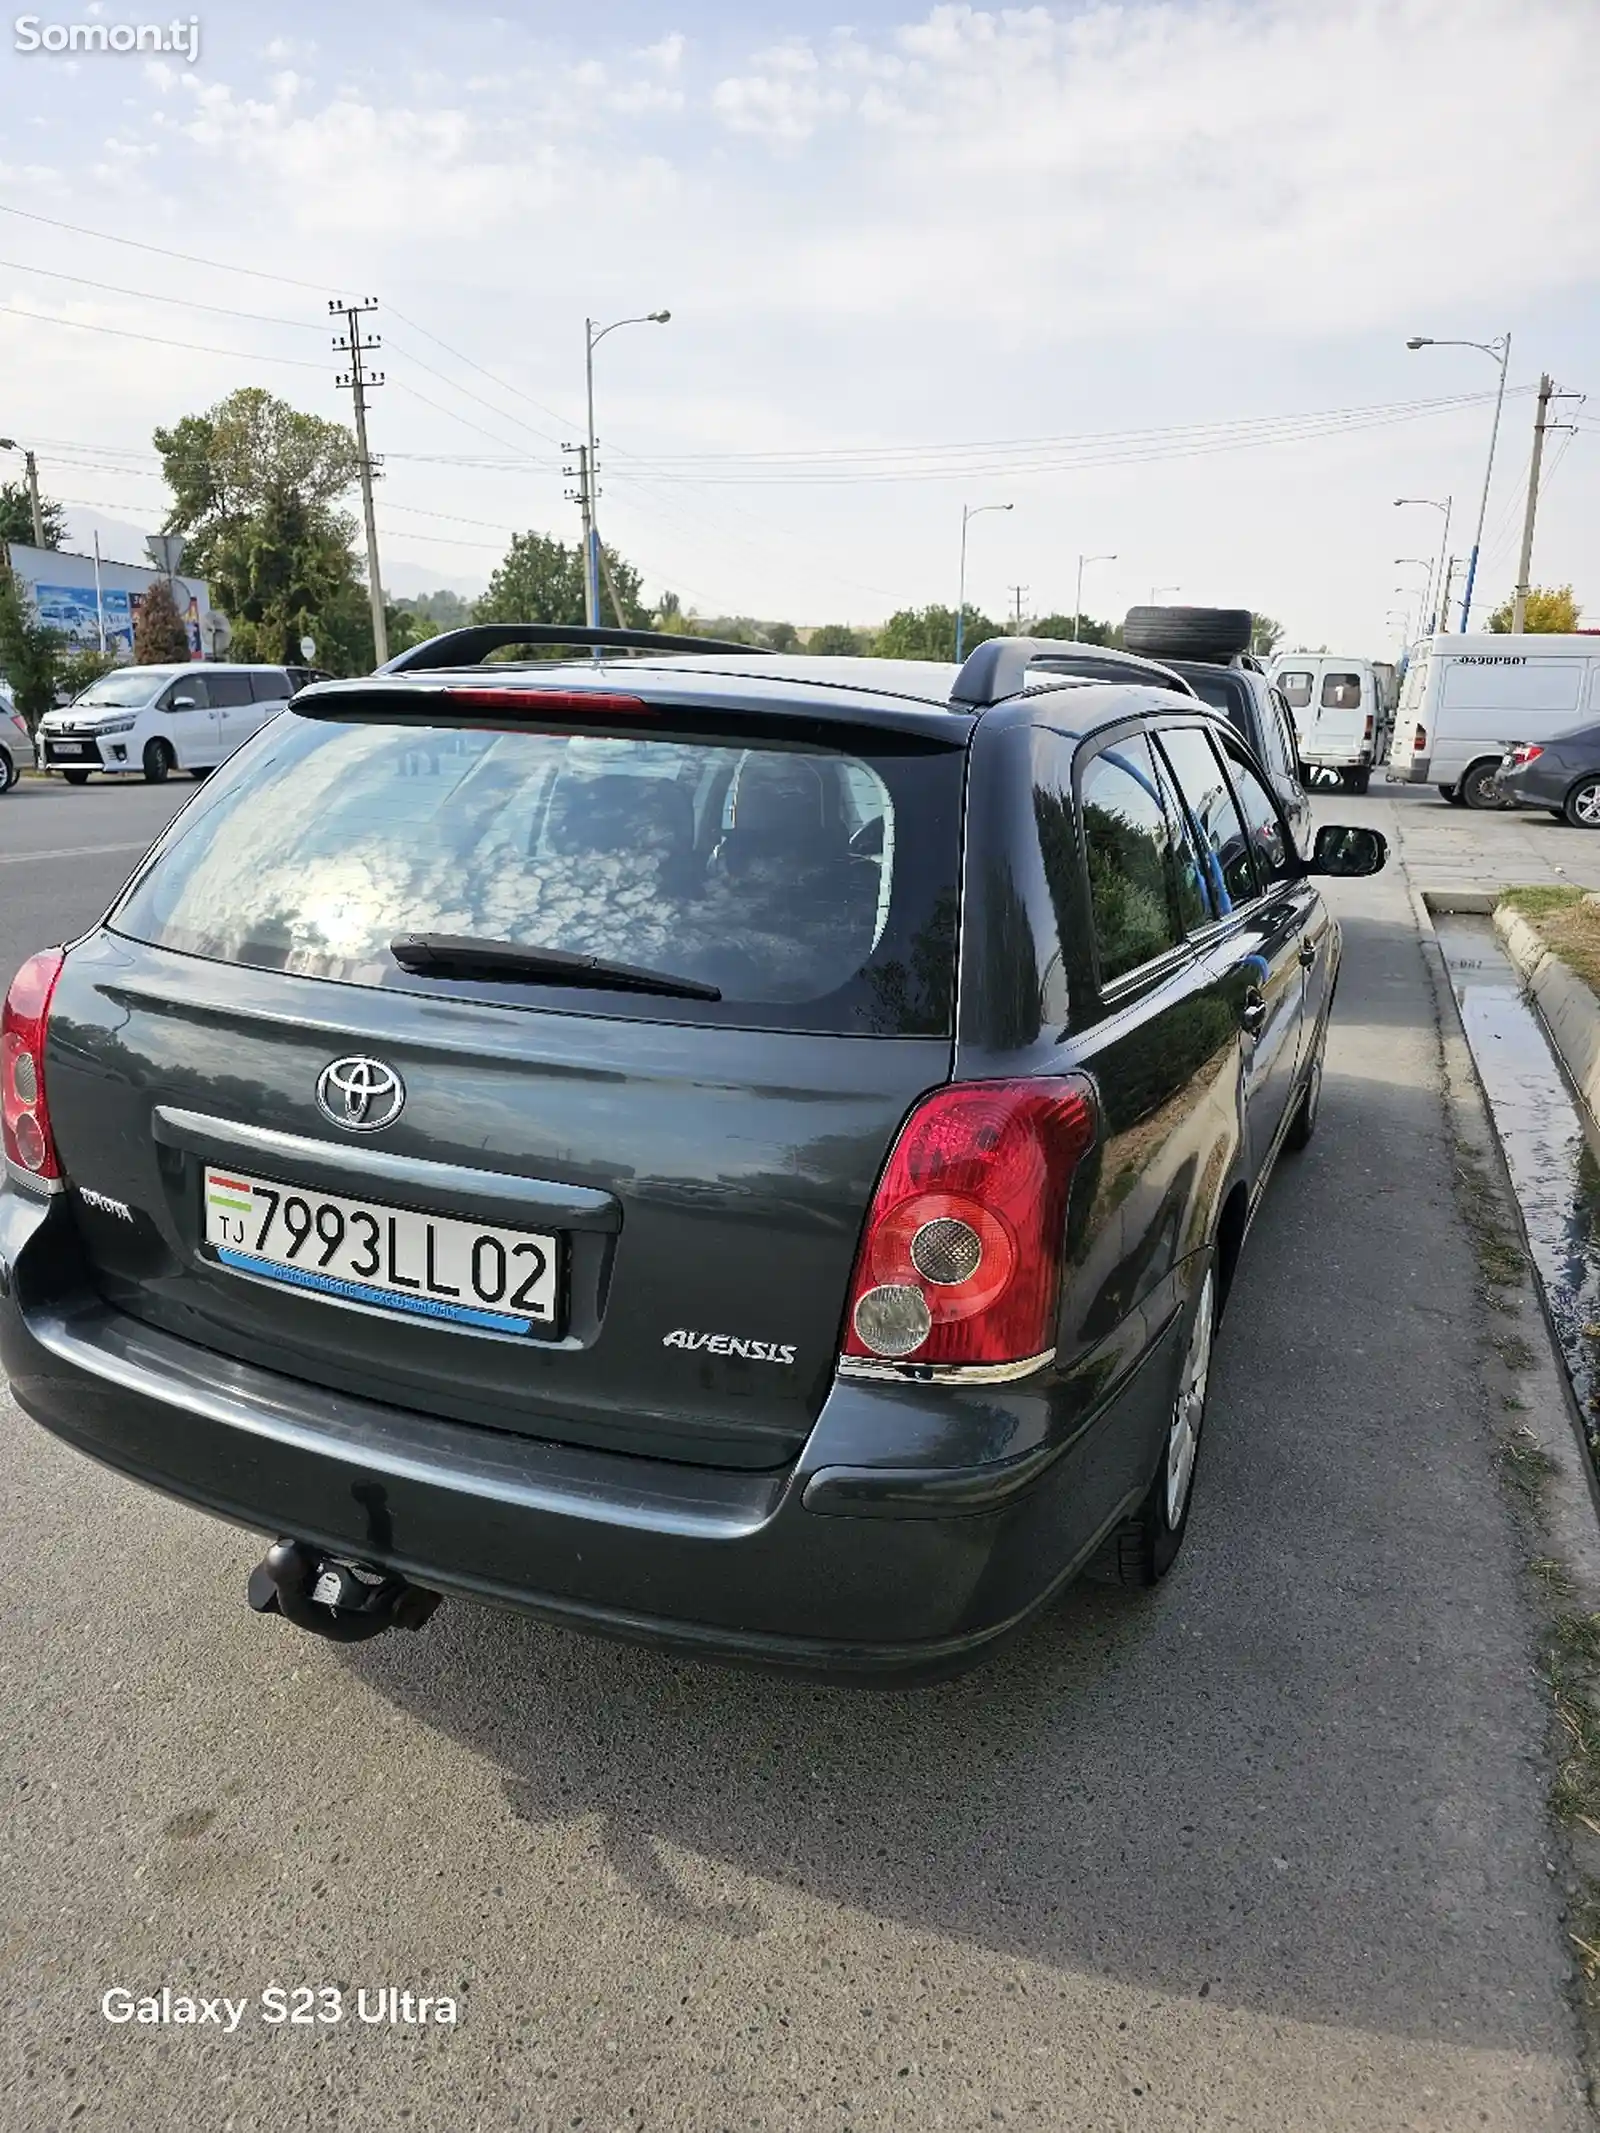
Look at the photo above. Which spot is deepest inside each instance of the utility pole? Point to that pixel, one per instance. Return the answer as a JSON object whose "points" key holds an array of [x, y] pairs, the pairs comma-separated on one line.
{"points": [[583, 497], [1019, 590], [359, 380], [10, 444], [1541, 423]]}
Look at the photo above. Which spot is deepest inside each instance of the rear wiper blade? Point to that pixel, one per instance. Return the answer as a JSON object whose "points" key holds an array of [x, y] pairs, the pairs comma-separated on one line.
{"points": [[465, 955]]}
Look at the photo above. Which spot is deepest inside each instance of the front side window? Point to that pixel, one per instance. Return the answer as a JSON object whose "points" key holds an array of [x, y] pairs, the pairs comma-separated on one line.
{"points": [[1127, 842], [1341, 692], [781, 876], [1273, 853], [190, 686], [1224, 844], [1295, 682]]}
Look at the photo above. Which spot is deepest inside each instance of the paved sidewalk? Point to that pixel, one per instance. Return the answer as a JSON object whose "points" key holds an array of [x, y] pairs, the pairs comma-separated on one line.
{"points": [[1446, 848]]}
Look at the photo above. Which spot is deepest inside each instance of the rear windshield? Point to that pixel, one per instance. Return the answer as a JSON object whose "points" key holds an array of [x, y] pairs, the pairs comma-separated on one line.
{"points": [[1223, 693], [1295, 682], [814, 887], [1341, 692]]}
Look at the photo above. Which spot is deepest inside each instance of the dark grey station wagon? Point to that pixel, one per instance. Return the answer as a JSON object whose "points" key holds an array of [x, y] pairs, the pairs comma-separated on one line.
{"points": [[736, 1151]]}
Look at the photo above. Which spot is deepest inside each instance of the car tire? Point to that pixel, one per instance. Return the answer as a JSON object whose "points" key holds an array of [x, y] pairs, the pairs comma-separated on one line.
{"points": [[1144, 1548], [1583, 804], [200, 776], [1451, 794], [1213, 634], [1357, 781], [76, 777], [9, 773], [159, 761], [1478, 788]]}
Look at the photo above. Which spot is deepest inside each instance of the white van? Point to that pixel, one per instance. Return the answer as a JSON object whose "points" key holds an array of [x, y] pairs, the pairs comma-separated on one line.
{"points": [[1467, 699], [1339, 704], [160, 719]]}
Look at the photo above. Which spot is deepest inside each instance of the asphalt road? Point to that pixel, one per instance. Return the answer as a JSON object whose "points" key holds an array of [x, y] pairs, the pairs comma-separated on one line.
{"points": [[1263, 1850]]}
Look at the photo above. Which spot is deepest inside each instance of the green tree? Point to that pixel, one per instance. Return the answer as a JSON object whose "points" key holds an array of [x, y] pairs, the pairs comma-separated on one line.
{"points": [[30, 654], [781, 636], [78, 668], [159, 637], [1266, 634], [540, 579], [1551, 611], [16, 516], [836, 640], [255, 485], [930, 633], [445, 609], [1088, 630]]}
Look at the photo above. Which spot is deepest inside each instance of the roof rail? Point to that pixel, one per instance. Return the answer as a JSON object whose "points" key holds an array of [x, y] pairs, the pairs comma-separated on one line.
{"points": [[469, 647], [999, 668]]}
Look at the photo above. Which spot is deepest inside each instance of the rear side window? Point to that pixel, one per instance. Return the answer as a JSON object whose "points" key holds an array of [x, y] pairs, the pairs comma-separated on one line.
{"points": [[815, 888], [271, 685], [1341, 692], [1224, 844], [1295, 683], [226, 690], [1127, 841]]}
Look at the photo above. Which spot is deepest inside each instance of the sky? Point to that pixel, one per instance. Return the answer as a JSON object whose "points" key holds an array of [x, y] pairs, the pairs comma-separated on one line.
{"points": [[1142, 270]]}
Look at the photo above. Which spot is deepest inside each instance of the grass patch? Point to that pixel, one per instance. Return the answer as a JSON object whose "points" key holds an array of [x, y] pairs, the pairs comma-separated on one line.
{"points": [[1494, 1243], [1567, 922], [1526, 1467]]}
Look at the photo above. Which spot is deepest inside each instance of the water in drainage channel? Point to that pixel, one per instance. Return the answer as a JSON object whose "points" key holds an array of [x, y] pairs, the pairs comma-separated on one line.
{"points": [[1552, 1166]]}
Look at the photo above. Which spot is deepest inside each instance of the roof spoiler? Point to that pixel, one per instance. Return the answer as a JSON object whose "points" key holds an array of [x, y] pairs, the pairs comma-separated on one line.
{"points": [[998, 668], [471, 646]]}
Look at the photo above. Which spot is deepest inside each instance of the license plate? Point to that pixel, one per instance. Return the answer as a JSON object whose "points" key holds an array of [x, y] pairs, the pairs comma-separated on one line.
{"points": [[72, 748], [390, 1258]]}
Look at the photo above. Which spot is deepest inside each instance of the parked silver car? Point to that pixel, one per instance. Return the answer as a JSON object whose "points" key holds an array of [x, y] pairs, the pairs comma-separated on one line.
{"points": [[16, 742]]}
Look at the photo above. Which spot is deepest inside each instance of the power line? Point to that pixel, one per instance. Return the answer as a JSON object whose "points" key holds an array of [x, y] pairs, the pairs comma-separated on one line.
{"points": [[191, 259], [152, 296], [158, 340]]}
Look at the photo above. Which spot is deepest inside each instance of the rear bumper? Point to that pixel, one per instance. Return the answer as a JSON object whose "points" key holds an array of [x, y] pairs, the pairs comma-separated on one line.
{"points": [[1536, 788], [911, 1565]]}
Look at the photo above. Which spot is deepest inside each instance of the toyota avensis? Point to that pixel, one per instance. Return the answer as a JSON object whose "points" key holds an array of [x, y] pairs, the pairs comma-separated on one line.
{"points": [[736, 1151]]}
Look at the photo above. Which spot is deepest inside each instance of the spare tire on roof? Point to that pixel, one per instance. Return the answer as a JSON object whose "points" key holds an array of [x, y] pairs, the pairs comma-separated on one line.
{"points": [[1212, 633]]}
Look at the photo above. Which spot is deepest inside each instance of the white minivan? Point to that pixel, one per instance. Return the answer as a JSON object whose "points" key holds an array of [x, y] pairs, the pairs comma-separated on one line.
{"points": [[1340, 706], [1467, 699], [160, 719]]}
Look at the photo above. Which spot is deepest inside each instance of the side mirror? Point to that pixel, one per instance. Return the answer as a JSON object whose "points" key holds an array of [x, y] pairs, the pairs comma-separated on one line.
{"points": [[1342, 851], [182, 703]]}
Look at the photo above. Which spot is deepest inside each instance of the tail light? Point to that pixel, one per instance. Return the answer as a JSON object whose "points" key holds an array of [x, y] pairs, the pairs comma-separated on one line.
{"points": [[1419, 741], [1527, 753], [24, 1118], [1367, 731], [960, 1261]]}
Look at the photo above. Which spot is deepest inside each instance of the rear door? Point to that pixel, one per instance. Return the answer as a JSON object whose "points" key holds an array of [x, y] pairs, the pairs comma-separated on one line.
{"points": [[285, 1106]]}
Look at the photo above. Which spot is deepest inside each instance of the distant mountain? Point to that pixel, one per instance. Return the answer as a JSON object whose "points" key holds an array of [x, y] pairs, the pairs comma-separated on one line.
{"points": [[120, 540], [408, 581]]}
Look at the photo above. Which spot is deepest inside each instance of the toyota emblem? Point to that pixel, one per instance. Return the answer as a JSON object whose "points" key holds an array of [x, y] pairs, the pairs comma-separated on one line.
{"points": [[360, 1094]]}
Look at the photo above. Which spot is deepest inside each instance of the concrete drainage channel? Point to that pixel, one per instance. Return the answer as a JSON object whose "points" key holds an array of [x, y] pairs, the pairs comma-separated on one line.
{"points": [[1553, 1167]]}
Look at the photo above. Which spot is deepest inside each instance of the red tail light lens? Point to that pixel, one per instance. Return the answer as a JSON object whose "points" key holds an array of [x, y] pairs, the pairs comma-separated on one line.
{"points": [[1527, 753], [24, 1118], [1419, 740], [1367, 732], [534, 702], [960, 1261]]}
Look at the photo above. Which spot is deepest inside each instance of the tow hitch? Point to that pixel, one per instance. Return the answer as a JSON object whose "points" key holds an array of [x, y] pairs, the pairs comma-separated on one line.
{"points": [[335, 1596]]}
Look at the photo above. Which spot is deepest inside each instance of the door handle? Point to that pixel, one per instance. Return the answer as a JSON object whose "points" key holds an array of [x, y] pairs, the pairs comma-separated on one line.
{"points": [[1253, 1009], [1308, 954]]}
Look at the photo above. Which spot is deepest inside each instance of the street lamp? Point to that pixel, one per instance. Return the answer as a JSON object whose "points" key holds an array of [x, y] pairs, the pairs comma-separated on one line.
{"points": [[1434, 504], [592, 337], [1077, 605], [1422, 563], [968, 511], [10, 444], [1499, 349], [1157, 590]]}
